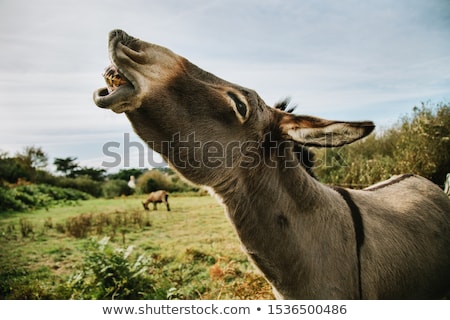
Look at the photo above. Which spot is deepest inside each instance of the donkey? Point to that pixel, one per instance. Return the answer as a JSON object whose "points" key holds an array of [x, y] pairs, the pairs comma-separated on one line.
{"points": [[310, 240], [160, 196]]}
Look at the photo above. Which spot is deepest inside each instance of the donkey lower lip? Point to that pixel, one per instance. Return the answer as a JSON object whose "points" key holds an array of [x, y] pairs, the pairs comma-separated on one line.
{"points": [[118, 90], [104, 98]]}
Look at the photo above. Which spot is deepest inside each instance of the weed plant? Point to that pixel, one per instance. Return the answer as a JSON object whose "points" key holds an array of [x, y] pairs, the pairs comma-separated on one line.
{"points": [[112, 273]]}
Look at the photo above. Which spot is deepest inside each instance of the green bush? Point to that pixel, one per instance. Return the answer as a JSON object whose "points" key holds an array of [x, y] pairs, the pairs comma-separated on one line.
{"points": [[115, 188], [418, 144], [157, 179], [12, 169], [112, 273], [83, 183], [8, 201], [424, 144], [152, 180], [33, 196]]}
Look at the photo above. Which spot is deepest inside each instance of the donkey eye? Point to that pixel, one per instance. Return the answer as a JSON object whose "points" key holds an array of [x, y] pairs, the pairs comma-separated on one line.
{"points": [[240, 106]]}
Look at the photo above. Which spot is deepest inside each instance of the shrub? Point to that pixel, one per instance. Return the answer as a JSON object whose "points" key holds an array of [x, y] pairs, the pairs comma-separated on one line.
{"points": [[79, 226], [12, 169], [25, 197], [424, 143], [26, 227], [157, 179], [104, 223], [418, 144], [115, 188], [153, 180], [8, 201], [83, 183], [112, 273]]}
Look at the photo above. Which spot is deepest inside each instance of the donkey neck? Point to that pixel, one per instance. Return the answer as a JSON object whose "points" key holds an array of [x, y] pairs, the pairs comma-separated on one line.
{"points": [[288, 190], [279, 217]]}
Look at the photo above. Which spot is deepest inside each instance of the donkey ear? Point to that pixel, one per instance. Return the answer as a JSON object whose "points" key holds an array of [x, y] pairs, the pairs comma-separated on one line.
{"points": [[311, 131]]}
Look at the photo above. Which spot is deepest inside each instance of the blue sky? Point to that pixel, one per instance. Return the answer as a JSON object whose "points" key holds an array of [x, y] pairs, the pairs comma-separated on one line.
{"points": [[347, 60]]}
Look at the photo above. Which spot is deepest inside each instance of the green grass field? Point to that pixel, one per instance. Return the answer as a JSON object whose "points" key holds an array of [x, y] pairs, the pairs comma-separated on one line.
{"points": [[193, 251]]}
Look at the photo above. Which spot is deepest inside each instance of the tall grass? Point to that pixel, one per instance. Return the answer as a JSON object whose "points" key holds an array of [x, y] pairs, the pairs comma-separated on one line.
{"points": [[81, 226]]}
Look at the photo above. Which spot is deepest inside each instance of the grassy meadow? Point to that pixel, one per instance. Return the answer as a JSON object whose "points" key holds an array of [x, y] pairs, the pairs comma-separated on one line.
{"points": [[113, 249]]}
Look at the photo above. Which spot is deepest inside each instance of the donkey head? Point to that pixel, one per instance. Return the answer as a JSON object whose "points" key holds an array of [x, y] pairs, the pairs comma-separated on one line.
{"points": [[203, 125]]}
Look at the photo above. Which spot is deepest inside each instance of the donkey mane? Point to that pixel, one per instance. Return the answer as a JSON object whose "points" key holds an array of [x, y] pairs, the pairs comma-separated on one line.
{"points": [[305, 155], [284, 105]]}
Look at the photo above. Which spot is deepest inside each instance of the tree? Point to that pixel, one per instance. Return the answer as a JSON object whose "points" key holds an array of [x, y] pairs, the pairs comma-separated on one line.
{"points": [[11, 170], [33, 157], [23, 166], [94, 174], [66, 165], [125, 174]]}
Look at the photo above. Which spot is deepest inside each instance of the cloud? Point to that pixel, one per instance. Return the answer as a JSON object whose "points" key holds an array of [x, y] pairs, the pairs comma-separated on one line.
{"points": [[342, 60]]}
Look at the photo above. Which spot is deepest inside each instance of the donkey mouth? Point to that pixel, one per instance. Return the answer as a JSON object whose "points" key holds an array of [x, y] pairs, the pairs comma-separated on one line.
{"points": [[120, 84], [118, 88], [113, 78]]}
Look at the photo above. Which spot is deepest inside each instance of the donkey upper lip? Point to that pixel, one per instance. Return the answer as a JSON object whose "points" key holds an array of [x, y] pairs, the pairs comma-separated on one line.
{"points": [[120, 87], [121, 83]]}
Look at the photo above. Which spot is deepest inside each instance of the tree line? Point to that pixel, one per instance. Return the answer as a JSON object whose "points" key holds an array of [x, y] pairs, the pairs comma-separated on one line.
{"points": [[418, 143], [26, 184]]}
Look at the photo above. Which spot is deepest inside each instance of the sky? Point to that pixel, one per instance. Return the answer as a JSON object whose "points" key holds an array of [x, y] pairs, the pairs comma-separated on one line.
{"points": [[341, 60]]}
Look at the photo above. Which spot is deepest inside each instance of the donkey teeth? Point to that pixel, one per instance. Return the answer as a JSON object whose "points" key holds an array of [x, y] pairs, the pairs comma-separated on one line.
{"points": [[113, 78]]}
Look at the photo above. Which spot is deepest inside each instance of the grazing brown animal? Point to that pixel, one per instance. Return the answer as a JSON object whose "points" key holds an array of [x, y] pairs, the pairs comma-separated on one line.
{"points": [[160, 196], [311, 241]]}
